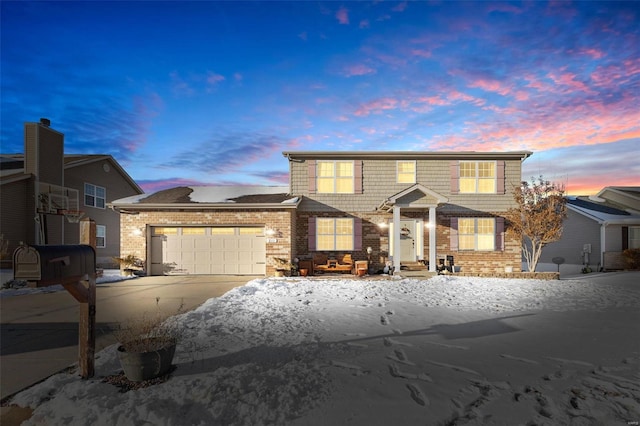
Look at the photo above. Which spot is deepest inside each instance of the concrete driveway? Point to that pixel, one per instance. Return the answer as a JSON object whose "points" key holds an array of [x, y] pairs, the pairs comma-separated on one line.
{"points": [[40, 331]]}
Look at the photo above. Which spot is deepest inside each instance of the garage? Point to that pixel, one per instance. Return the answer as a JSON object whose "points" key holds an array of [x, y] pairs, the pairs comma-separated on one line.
{"points": [[214, 250]]}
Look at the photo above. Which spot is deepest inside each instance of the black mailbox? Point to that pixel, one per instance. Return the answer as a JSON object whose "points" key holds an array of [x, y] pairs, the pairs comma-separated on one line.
{"points": [[49, 265]]}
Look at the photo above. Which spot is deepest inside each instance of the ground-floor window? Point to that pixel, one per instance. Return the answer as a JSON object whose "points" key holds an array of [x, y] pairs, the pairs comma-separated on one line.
{"points": [[334, 234], [634, 237], [476, 234], [101, 236]]}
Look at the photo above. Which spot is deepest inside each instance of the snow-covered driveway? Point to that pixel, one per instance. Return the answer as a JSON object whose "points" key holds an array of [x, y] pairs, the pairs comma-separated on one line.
{"points": [[447, 351]]}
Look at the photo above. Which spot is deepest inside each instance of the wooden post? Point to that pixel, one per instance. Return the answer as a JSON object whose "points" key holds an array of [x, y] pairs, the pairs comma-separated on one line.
{"points": [[87, 330]]}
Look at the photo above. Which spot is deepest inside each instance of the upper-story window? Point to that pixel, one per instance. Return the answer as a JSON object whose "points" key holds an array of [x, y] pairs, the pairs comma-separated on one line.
{"points": [[406, 172], [335, 177], [478, 177], [94, 196]]}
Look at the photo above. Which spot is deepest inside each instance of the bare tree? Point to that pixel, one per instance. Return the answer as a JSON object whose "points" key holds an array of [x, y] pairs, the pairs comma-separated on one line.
{"points": [[538, 218]]}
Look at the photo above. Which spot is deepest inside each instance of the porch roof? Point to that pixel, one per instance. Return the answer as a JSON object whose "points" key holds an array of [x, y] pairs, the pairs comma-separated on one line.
{"points": [[388, 204]]}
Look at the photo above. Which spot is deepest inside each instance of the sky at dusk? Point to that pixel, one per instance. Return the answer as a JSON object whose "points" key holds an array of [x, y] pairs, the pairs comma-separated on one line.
{"points": [[212, 93]]}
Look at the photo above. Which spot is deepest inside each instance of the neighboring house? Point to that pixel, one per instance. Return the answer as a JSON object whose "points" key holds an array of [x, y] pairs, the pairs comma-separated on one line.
{"points": [[596, 231], [37, 187], [406, 207]]}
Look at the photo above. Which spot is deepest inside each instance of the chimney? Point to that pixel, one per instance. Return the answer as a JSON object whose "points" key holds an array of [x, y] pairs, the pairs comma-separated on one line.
{"points": [[45, 122]]}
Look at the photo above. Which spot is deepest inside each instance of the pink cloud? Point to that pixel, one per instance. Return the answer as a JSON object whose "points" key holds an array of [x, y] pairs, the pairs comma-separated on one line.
{"points": [[400, 7], [376, 106], [237, 76], [357, 70], [491, 86], [342, 15], [570, 79], [421, 53], [364, 24], [213, 78]]}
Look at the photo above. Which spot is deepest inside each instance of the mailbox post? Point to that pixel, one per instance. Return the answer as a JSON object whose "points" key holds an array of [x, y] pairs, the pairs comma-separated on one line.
{"points": [[71, 266]]}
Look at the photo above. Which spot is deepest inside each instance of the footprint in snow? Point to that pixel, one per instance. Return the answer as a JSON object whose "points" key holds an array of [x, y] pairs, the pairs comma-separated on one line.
{"points": [[390, 342], [417, 395], [384, 320]]}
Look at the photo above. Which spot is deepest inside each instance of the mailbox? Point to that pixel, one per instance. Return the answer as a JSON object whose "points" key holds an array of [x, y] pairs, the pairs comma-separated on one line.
{"points": [[49, 265]]}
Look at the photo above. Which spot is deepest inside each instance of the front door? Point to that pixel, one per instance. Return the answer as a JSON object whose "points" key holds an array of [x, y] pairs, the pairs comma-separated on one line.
{"points": [[407, 241]]}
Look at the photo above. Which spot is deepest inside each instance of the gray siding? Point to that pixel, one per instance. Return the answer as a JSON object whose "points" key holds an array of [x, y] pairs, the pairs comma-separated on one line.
{"points": [[116, 187], [379, 183], [577, 231], [16, 213]]}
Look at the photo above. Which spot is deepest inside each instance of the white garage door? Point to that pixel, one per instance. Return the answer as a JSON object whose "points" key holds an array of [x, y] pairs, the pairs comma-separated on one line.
{"points": [[208, 250]]}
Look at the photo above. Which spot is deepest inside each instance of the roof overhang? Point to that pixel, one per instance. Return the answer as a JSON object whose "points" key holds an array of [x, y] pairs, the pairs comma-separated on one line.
{"points": [[408, 155], [138, 207]]}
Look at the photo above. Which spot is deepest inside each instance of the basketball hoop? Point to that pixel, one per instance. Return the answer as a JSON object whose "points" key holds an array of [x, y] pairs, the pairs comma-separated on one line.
{"points": [[73, 216]]}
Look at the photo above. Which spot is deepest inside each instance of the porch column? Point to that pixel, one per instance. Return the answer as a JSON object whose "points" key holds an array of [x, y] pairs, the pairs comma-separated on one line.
{"points": [[396, 239], [432, 239]]}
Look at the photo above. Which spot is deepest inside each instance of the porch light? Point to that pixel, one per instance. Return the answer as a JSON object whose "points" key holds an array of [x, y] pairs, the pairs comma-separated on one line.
{"points": [[269, 232], [428, 225], [383, 225]]}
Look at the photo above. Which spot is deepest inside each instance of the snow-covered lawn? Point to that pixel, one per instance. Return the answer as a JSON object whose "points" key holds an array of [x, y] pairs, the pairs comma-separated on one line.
{"points": [[446, 351]]}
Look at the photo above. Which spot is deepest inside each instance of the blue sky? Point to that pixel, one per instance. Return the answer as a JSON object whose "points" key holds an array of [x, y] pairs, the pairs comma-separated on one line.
{"points": [[212, 92]]}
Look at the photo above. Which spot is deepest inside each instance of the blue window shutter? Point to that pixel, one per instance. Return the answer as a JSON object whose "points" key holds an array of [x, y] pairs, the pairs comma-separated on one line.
{"points": [[453, 234], [500, 186], [357, 233], [311, 237], [312, 176], [455, 177], [499, 233], [357, 176]]}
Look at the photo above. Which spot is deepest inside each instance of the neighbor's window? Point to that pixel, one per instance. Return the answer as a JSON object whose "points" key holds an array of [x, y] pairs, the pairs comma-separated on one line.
{"points": [[478, 177], [335, 177], [334, 234], [406, 172], [101, 236], [94, 196], [476, 234], [634, 237]]}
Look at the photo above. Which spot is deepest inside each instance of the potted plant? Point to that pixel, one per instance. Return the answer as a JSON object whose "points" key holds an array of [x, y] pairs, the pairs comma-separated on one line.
{"points": [[147, 345], [282, 266]]}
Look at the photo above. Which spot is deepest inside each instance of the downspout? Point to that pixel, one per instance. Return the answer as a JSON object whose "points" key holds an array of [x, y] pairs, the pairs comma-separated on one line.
{"points": [[603, 242]]}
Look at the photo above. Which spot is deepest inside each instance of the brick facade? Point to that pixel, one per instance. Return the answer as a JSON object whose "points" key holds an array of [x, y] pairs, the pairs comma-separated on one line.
{"points": [[135, 228]]}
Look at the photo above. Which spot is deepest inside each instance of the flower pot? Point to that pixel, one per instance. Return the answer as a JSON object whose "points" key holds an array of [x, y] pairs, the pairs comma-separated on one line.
{"points": [[304, 272], [279, 273], [141, 366], [362, 272]]}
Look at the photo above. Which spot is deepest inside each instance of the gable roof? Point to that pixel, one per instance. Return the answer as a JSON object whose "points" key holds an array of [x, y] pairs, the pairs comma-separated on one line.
{"points": [[388, 204], [13, 165], [216, 197]]}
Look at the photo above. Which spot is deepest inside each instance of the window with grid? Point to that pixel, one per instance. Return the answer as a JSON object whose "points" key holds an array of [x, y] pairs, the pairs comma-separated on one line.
{"points": [[478, 177], [94, 196], [476, 234], [634, 237], [335, 177], [406, 172], [334, 234], [101, 236]]}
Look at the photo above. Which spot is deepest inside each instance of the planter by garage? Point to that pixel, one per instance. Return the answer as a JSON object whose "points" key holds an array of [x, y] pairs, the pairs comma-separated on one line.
{"points": [[155, 362]]}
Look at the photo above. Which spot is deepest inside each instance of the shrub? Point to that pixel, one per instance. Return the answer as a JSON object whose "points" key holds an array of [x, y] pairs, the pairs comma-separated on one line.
{"points": [[631, 258], [149, 332]]}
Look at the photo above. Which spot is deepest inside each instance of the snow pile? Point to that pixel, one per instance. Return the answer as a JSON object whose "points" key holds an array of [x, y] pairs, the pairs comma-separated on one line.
{"points": [[449, 350]]}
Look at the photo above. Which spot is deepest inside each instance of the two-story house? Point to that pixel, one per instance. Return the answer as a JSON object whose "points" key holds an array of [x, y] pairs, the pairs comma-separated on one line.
{"points": [[44, 190], [387, 207]]}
